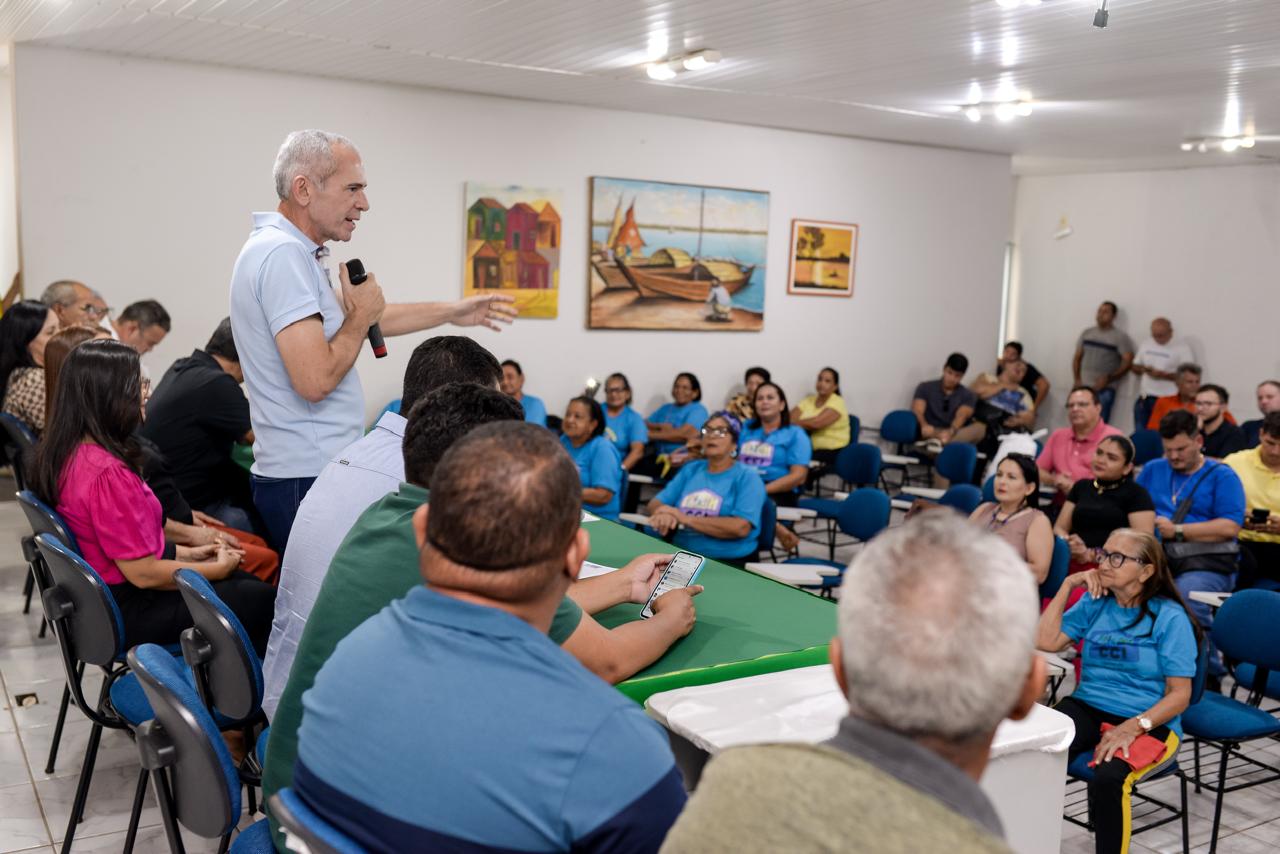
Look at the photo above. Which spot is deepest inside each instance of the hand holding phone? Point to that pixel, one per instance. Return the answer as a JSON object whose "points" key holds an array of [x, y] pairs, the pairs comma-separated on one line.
{"points": [[1261, 515], [680, 572]]}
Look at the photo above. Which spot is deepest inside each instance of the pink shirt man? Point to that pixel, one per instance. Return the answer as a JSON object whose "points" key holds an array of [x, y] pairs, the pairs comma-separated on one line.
{"points": [[113, 514], [1066, 453]]}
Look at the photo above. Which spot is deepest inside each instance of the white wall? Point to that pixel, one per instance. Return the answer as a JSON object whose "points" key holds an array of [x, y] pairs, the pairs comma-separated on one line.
{"points": [[8, 199], [139, 176], [1200, 246]]}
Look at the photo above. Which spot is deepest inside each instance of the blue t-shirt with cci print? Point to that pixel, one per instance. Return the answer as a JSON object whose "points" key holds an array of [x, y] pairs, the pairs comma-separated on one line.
{"points": [[699, 492]]}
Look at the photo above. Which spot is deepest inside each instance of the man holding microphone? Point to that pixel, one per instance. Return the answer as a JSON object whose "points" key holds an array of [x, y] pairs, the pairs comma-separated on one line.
{"points": [[297, 344]]}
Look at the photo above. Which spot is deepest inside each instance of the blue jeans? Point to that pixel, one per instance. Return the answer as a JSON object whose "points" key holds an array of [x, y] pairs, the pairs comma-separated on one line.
{"points": [[230, 515], [1107, 397], [277, 500], [1214, 582], [1142, 408]]}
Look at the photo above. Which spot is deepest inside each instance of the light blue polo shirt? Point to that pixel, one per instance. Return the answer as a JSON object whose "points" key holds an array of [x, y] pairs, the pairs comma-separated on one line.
{"points": [[488, 737], [535, 412], [599, 467], [361, 473], [773, 454], [277, 281], [692, 413], [624, 428], [739, 491]]}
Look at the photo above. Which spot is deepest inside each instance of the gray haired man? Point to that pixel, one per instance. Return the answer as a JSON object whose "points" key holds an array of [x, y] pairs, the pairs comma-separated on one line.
{"points": [[75, 303], [937, 626]]}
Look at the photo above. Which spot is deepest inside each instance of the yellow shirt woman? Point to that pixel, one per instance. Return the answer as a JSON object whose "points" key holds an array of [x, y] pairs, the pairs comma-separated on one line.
{"points": [[835, 435]]}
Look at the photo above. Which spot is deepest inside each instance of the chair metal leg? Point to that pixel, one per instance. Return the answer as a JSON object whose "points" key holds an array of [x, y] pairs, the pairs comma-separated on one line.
{"points": [[1186, 833], [1217, 807], [82, 789], [28, 587], [44, 628], [170, 822], [1196, 746], [57, 729], [136, 814]]}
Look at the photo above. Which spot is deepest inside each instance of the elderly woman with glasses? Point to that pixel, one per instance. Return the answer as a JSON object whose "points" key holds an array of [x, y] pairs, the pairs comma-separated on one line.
{"points": [[623, 426], [713, 505], [1139, 650]]}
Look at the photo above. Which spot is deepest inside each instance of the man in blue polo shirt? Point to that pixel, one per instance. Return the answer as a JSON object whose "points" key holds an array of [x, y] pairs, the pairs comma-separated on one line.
{"points": [[489, 737], [1215, 512]]}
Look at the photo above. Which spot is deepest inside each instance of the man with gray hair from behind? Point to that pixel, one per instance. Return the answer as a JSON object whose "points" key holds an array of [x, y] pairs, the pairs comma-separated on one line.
{"points": [[937, 623]]}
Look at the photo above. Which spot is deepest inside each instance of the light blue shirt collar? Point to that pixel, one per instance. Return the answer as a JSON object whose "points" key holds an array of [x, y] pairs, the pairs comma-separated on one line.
{"points": [[275, 219], [392, 422]]}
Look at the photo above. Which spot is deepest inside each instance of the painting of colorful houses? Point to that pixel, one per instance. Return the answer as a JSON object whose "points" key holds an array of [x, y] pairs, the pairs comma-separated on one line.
{"points": [[513, 245], [676, 256]]}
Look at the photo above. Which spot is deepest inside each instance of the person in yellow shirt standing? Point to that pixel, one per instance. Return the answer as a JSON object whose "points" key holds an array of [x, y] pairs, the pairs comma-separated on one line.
{"points": [[1259, 471], [824, 417]]}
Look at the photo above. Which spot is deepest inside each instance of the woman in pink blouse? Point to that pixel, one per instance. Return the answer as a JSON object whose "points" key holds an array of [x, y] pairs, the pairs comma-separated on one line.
{"points": [[87, 467]]}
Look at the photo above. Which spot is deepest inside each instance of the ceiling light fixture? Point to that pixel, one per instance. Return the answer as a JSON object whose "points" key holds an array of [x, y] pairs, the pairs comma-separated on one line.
{"points": [[1226, 144], [973, 114], [1004, 111], [667, 69], [1101, 16], [660, 71], [700, 60]]}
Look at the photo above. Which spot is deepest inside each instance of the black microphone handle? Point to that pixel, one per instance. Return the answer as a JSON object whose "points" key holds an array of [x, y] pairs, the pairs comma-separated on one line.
{"points": [[357, 275]]}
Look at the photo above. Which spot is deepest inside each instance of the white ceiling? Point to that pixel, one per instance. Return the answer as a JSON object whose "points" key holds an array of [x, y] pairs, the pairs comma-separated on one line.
{"points": [[1123, 97]]}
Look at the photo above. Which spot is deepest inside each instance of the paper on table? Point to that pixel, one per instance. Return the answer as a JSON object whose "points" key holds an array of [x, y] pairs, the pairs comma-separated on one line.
{"points": [[588, 517], [591, 570]]}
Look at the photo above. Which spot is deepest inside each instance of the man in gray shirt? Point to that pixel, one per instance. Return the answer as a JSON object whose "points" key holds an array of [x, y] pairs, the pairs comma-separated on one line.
{"points": [[1103, 356]]}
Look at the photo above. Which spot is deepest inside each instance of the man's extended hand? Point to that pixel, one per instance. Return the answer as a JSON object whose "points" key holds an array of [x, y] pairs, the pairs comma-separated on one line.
{"points": [[486, 310]]}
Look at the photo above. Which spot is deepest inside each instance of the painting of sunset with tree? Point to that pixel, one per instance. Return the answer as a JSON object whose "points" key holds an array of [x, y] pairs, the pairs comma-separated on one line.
{"points": [[823, 255]]}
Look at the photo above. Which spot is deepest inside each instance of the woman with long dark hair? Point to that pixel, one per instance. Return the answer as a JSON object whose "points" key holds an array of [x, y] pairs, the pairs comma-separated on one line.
{"points": [[24, 330], [825, 417], [1014, 516], [55, 354], [775, 448], [1139, 649], [88, 467], [1108, 501], [599, 468]]}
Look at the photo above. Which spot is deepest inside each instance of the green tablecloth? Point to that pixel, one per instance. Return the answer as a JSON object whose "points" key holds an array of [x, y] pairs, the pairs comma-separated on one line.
{"points": [[747, 624], [242, 455]]}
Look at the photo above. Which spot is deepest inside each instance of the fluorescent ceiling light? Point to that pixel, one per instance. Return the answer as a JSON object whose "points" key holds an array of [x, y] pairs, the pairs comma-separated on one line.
{"points": [[660, 71]]}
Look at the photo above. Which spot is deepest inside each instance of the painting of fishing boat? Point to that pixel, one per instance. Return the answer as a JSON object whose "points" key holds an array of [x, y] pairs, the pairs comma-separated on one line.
{"points": [[676, 256]]}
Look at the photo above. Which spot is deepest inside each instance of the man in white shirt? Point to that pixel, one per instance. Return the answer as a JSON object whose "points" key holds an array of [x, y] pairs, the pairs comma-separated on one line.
{"points": [[1157, 363]]}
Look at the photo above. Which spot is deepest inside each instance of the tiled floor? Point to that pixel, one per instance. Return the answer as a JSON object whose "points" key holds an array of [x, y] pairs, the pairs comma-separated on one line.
{"points": [[34, 806]]}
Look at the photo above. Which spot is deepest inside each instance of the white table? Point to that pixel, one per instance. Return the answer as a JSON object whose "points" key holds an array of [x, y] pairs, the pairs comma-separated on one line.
{"points": [[1025, 779], [1213, 600]]}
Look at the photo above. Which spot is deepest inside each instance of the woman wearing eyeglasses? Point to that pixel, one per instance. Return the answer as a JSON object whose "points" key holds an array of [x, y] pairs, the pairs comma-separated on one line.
{"points": [[1110, 500], [713, 505], [1139, 650], [623, 426], [1014, 517]]}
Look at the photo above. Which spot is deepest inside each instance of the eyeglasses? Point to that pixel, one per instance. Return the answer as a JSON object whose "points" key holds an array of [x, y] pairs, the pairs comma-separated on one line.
{"points": [[1115, 560], [715, 432], [615, 389], [95, 311]]}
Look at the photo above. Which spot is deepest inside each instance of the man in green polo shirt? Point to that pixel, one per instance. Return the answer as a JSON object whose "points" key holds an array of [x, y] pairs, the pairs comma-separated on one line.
{"points": [[377, 563]]}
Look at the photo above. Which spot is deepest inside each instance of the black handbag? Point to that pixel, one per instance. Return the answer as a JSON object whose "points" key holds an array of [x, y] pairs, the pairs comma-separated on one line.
{"points": [[1205, 557]]}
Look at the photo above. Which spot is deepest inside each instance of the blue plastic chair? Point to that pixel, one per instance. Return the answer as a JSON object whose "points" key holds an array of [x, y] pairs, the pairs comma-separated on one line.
{"points": [[900, 427], [989, 490], [963, 497], [768, 527], [857, 465], [18, 444], [195, 779], [1246, 629], [304, 824], [1147, 446], [957, 463], [855, 429], [861, 516], [1058, 567]]}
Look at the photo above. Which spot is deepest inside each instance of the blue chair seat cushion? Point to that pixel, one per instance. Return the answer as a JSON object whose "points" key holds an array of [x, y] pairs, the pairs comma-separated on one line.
{"points": [[260, 749], [826, 508], [1221, 718], [1079, 769], [254, 839], [1245, 674], [131, 703]]}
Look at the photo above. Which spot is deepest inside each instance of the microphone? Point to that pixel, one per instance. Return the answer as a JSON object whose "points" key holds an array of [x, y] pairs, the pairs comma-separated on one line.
{"points": [[357, 275]]}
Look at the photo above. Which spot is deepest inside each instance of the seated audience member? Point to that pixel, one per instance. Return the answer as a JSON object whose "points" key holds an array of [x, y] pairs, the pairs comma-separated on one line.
{"points": [[1156, 362], [673, 424], [55, 354], [1013, 516], [378, 564], [1188, 384], [1068, 453], [776, 449], [195, 416], [362, 472], [945, 407], [1259, 472], [623, 426], [25, 329], [530, 751], [75, 304], [1103, 356], [1009, 406], [1221, 437], [1197, 501], [1137, 662], [824, 416], [595, 456], [1268, 402], [739, 405], [142, 325], [901, 773], [713, 505], [535, 411], [1036, 383], [1107, 502], [87, 468]]}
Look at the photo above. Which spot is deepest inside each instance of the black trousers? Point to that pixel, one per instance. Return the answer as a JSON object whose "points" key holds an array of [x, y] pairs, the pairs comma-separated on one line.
{"points": [[1258, 561], [1109, 801], [160, 616]]}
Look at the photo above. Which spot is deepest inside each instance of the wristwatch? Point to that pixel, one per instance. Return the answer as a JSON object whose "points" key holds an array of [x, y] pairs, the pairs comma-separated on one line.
{"points": [[1177, 532], [1145, 723]]}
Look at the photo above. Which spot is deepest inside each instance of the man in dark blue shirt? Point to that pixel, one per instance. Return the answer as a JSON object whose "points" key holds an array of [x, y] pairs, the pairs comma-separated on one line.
{"points": [[485, 735]]}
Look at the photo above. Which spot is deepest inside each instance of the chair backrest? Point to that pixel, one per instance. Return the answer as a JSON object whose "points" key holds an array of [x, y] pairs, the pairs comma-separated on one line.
{"points": [[1202, 671], [18, 446], [964, 497], [855, 428], [1058, 566], [1246, 629], [989, 490], [1147, 446], [300, 821], [43, 519], [768, 526], [183, 740], [859, 464], [957, 462], [864, 513], [227, 669], [900, 426], [79, 606]]}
